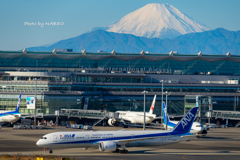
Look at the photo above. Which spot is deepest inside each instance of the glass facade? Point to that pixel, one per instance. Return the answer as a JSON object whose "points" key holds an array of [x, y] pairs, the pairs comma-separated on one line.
{"points": [[61, 80], [168, 66]]}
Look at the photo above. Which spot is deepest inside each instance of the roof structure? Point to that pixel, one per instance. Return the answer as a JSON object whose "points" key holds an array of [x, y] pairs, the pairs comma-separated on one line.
{"points": [[119, 56]]}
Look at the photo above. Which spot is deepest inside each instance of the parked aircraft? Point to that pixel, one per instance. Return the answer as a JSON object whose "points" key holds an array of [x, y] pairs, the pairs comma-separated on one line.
{"points": [[134, 117], [11, 116], [112, 140], [197, 127]]}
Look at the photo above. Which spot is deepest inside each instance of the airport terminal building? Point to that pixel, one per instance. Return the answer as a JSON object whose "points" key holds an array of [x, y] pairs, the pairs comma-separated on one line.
{"points": [[115, 81]]}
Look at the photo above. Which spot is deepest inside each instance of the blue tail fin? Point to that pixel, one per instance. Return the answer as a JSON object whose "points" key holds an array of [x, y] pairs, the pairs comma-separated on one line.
{"points": [[164, 114], [18, 104], [185, 124]]}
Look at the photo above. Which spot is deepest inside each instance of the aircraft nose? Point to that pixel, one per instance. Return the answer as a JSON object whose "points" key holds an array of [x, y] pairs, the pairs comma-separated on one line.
{"points": [[38, 143]]}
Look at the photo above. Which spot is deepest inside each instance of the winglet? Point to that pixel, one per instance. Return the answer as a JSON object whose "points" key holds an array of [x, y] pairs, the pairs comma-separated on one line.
{"points": [[164, 114], [18, 104], [153, 104], [185, 124]]}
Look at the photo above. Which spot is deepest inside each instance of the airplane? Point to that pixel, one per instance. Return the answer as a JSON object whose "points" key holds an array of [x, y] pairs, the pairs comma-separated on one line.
{"points": [[11, 116], [110, 141], [197, 128], [134, 117]]}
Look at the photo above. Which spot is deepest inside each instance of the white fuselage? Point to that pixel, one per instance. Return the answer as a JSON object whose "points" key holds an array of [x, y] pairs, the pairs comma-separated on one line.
{"points": [[8, 117], [87, 139], [136, 117], [197, 127]]}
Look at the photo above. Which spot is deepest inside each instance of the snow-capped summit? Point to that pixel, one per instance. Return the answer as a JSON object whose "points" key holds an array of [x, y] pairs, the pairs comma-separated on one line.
{"points": [[156, 21]]}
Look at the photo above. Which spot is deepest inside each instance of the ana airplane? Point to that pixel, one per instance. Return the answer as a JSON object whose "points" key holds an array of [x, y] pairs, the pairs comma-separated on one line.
{"points": [[197, 128], [11, 116], [134, 117], [112, 140]]}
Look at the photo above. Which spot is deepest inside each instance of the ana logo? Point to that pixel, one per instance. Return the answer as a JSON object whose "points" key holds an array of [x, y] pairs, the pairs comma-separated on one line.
{"points": [[187, 119], [69, 135]]}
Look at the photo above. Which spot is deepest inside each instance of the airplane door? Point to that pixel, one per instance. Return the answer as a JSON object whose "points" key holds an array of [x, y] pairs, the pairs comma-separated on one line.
{"points": [[87, 137], [54, 138]]}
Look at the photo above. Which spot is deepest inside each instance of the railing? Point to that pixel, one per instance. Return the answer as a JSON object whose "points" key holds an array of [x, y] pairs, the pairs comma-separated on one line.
{"points": [[121, 92]]}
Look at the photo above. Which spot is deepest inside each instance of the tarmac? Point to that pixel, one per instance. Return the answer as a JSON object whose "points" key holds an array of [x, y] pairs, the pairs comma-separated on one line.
{"points": [[219, 143]]}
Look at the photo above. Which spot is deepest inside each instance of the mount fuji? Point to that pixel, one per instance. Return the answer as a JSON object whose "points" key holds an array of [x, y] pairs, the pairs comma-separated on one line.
{"points": [[156, 21]]}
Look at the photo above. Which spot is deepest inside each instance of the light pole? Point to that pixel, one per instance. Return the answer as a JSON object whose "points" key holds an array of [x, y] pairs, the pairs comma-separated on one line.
{"points": [[35, 99], [162, 99], [166, 108], [144, 116]]}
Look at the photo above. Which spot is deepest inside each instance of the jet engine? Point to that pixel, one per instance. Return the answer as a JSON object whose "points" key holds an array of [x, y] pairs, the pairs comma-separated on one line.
{"points": [[107, 146], [112, 121]]}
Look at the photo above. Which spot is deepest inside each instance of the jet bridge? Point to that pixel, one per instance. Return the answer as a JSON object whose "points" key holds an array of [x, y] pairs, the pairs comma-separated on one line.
{"points": [[88, 114], [91, 114], [233, 115]]}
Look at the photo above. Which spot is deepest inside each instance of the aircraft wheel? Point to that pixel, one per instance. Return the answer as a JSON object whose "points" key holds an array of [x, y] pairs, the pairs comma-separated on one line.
{"points": [[125, 151], [51, 151]]}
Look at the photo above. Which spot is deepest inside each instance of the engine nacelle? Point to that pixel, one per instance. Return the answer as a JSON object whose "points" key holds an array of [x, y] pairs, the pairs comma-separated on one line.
{"points": [[112, 121], [107, 146]]}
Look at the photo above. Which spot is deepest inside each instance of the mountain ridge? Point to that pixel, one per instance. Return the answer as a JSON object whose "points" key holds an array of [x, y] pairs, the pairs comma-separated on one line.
{"points": [[218, 41]]}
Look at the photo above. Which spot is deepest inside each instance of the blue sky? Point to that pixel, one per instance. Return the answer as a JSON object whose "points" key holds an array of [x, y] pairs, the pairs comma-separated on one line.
{"points": [[79, 16]]}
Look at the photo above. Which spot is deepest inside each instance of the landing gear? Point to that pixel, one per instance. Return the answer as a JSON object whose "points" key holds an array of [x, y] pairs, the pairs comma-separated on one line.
{"points": [[50, 150], [123, 151]]}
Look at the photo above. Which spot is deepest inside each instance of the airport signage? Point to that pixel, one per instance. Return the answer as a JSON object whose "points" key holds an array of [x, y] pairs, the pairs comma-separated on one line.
{"points": [[164, 70], [30, 102]]}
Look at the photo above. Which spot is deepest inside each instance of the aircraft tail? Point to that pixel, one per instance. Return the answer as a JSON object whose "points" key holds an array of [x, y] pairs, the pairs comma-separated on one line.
{"points": [[18, 104], [186, 122], [153, 104], [164, 114]]}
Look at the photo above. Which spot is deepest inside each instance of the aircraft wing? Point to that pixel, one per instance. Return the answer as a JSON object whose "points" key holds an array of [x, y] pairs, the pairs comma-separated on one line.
{"points": [[158, 117], [121, 120], [126, 141], [189, 135], [16, 116]]}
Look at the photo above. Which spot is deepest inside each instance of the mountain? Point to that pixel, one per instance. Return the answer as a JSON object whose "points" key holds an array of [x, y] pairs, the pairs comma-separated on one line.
{"points": [[218, 41], [155, 21]]}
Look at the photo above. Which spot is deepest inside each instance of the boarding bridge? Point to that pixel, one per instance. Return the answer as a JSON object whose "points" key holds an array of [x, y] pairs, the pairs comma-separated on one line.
{"points": [[233, 115], [89, 114], [82, 113]]}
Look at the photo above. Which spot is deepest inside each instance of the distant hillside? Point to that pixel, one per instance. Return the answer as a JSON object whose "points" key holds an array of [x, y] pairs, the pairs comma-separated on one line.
{"points": [[218, 41]]}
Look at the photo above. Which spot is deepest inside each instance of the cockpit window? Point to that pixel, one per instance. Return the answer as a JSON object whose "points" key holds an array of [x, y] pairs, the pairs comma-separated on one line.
{"points": [[44, 138], [198, 126]]}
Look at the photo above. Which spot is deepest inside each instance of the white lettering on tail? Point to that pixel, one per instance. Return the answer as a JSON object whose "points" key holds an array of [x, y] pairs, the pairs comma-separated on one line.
{"points": [[187, 119]]}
